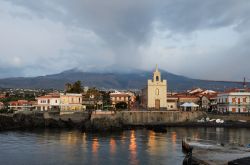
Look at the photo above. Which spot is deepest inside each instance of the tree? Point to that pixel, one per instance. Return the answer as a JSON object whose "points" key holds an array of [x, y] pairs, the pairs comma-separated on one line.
{"points": [[121, 105], [93, 92], [76, 87]]}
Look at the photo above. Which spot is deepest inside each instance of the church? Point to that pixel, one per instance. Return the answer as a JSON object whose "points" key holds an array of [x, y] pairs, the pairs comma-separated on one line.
{"points": [[154, 95]]}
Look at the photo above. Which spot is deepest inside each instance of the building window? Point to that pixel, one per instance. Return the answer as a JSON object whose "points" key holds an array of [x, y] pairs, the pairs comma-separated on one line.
{"points": [[234, 110], [244, 100], [157, 78], [233, 100]]}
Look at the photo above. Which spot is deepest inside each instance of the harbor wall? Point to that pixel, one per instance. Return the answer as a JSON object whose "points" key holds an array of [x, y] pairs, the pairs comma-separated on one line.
{"points": [[150, 117], [231, 117]]}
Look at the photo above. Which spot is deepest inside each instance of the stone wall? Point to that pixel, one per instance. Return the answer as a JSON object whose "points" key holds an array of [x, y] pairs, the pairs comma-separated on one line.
{"points": [[232, 117], [150, 117], [156, 117]]}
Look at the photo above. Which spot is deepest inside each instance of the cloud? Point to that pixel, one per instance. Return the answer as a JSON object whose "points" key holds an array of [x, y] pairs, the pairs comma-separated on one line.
{"points": [[194, 38]]}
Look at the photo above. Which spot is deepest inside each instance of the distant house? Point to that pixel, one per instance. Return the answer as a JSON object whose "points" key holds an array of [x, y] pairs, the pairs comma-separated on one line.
{"points": [[92, 102], [195, 91], [71, 102], [117, 97], [1, 105], [188, 98], [234, 101], [48, 102], [2, 95], [172, 102], [209, 102], [21, 105]]}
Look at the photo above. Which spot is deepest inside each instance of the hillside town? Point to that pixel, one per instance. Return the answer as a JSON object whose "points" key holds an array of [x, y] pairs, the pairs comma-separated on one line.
{"points": [[154, 96]]}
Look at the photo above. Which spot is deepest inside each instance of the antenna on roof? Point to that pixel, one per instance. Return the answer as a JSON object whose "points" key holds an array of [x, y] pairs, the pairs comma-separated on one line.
{"points": [[244, 83]]}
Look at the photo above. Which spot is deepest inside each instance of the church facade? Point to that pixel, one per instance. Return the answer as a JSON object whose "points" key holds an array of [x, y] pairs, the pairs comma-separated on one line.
{"points": [[154, 96]]}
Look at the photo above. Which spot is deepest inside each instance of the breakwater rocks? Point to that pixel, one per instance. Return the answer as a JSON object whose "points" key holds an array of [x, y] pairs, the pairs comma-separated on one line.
{"points": [[32, 121], [7, 122], [102, 121]]}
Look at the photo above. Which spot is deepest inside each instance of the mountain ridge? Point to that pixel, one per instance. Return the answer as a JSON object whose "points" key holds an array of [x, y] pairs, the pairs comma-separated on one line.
{"points": [[109, 80]]}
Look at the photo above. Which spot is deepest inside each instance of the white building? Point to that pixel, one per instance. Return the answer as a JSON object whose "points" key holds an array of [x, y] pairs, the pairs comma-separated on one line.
{"points": [[155, 94], [48, 102], [234, 101]]}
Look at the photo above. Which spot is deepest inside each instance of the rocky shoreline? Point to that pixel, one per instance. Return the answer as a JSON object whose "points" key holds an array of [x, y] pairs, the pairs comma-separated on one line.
{"points": [[30, 121]]}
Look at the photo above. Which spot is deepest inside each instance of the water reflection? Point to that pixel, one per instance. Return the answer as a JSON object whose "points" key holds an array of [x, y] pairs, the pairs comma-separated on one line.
{"points": [[133, 148], [95, 145], [151, 142], [129, 147], [112, 145], [174, 136]]}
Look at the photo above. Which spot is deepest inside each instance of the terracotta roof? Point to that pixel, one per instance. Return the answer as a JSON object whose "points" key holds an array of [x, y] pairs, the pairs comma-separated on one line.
{"points": [[119, 94], [209, 96], [172, 97], [187, 96], [236, 90], [19, 102], [48, 96]]}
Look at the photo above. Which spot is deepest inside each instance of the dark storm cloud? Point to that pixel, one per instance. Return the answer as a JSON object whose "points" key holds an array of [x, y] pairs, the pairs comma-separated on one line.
{"points": [[131, 34], [119, 21]]}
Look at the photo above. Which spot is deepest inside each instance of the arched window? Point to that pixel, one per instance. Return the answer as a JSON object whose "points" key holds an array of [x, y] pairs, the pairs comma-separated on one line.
{"points": [[157, 78]]}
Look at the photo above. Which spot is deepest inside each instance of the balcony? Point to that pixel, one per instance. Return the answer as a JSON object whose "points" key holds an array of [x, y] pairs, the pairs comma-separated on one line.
{"points": [[235, 104]]}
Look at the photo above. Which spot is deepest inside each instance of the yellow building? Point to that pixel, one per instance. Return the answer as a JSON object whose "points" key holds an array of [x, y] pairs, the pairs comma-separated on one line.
{"points": [[155, 94], [71, 102]]}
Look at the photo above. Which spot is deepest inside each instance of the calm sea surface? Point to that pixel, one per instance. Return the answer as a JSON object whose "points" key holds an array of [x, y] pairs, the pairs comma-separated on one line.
{"points": [[128, 147]]}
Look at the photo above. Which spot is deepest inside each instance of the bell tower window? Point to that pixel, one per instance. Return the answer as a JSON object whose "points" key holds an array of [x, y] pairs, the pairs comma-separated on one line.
{"points": [[157, 78]]}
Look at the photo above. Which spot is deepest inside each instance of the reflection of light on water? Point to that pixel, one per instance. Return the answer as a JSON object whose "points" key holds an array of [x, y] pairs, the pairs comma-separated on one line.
{"points": [[174, 140], [123, 138], [151, 141], [112, 145], [71, 138], [95, 145], [133, 148], [84, 138], [196, 136]]}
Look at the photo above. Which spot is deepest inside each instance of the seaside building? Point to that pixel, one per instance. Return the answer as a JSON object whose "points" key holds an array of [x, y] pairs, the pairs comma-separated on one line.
{"points": [[21, 105], [71, 102], [234, 101], [154, 96], [1, 105], [209, 102], [117, 97], [172, 102], [48, 102]]}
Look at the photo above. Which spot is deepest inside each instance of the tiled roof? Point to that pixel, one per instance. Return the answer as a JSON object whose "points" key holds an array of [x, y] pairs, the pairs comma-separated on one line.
{"points": [[209, 96], [48, 96], [119, 95], [237, 90]]}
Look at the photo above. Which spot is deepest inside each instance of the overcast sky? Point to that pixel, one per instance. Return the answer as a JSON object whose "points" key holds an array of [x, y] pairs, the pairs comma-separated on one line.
{"points": [[195, 38]]}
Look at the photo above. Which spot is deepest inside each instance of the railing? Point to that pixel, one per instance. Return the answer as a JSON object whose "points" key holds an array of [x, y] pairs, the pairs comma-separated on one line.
{"points": [[230, 103]]}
